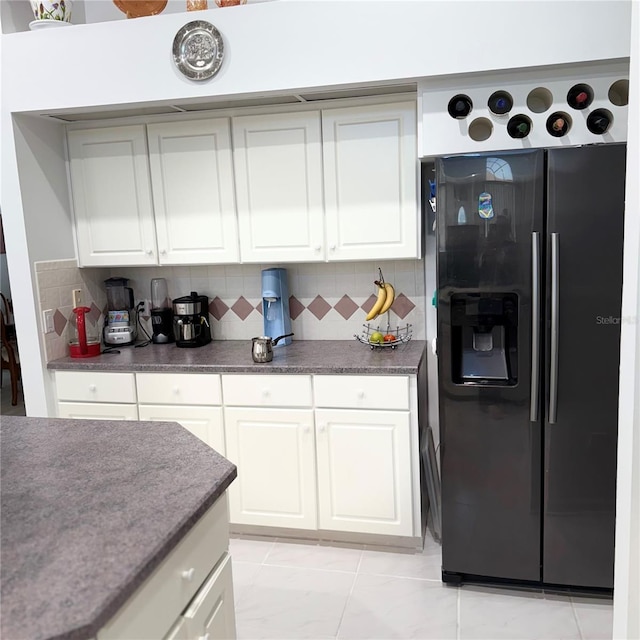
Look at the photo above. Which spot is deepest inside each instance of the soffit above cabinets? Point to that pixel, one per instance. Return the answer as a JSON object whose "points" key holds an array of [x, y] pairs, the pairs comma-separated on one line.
{"points": [[213, 104]]}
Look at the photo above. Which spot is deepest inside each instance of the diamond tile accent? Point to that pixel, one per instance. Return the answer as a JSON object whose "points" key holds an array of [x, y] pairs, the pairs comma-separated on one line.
{"points": [[242, 308], [258, 307], [319, 307], [295, 307], [217, 308], [402, 306], [346, 307], [367, 305], [59, 322]]}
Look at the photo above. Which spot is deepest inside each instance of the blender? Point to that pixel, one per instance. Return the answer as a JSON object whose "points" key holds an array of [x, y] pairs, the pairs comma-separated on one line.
{"points": [[120, 322], [161, 312]]}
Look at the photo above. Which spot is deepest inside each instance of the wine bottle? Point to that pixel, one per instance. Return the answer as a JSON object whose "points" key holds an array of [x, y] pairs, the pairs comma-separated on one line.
{"points": [[558, 124], [599, 121], [519, 126], [460, 106], [500, 102], [580, 96]]}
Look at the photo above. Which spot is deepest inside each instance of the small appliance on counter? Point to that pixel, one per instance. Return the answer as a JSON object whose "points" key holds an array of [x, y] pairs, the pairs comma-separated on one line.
{"points": [[275, 305], [161, 312], [120, 323], [191, 320], [84, 340]]}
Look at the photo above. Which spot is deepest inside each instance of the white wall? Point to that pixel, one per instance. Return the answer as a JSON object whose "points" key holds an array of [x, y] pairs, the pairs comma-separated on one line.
{"points": [[626, 612], [284, 46]]}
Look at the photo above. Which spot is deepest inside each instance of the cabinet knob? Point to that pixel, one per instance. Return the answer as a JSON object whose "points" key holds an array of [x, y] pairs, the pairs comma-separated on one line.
{"points": [[163, 252], [92, 387], [322, 428], [149, 252], [360, 393], [306, 428], [332, 247], [176, 391], [266, 393], [317, 247], [188, 574]]}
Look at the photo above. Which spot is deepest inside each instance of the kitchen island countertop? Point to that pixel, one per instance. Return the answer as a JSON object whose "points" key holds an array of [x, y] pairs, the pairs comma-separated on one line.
{"points": [[234, 356], [89, 509]]}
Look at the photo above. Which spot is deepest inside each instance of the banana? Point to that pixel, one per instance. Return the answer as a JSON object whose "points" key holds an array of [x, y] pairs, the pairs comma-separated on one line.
{"points": [[375, 310], [391, 294]]}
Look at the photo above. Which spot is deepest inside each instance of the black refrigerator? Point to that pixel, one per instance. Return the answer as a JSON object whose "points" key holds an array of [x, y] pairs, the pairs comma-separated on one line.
{"points": [[529, 296]]}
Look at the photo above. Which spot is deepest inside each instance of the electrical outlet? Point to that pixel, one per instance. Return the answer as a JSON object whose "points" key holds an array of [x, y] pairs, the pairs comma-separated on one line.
{"points": [[47, 321], [76, 295], [143, 305]]}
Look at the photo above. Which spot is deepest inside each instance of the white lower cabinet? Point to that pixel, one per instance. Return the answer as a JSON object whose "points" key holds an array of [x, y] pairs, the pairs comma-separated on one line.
{"points": [[97, 411], [211, 614], [364, 474], [274, 451], [190, 594]]}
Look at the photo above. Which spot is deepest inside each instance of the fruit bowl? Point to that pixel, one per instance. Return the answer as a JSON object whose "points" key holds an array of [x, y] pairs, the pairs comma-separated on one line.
{"points": [[391, 337]]}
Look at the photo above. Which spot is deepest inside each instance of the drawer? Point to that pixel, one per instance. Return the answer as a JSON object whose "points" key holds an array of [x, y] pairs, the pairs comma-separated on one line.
{"points": [[361, 392], [158, 602], [97, 411], [266, 391], [93, 386], [179, 388]]}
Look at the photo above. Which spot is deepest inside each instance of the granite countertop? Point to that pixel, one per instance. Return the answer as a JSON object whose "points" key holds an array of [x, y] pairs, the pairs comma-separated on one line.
{"points": [[234, 356], [89, 509]]}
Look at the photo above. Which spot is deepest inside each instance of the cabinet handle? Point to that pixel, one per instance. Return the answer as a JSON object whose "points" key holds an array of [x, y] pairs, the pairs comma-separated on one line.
{"points": [[188, 575], [176, 390], [322, 428], [306, 428], [163, 252], [317, 247], [360, 393], [265, 393], [92, 387], [332, 247], [149, 252]]}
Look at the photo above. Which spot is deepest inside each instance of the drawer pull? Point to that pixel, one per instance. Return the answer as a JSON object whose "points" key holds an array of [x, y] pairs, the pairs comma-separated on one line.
{"points": [[266, 393], [360, 393], [188, 575], [176, 390], [92, 387]]}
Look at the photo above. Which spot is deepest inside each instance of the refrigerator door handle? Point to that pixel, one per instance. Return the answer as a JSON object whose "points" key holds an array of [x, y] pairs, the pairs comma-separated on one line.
{"points": [[535, 326], [553, 372]]}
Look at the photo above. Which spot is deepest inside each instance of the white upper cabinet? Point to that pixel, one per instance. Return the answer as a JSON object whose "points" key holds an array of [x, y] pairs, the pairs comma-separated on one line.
{"points": [[193, 191], [370, 182], [112, 196], [278, 168]]}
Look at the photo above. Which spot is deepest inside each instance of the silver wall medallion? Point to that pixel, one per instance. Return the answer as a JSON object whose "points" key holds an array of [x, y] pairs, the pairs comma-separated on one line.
{"points": [[198, 50]]}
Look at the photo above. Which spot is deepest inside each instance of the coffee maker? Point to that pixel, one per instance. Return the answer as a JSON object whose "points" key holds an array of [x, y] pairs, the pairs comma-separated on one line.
{"points": [[191, 320], [275, 305], [161, 312], [120, 322]]}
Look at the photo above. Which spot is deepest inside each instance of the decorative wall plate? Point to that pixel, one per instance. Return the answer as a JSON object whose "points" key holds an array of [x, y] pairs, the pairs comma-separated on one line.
{"points": [[198, 50]]}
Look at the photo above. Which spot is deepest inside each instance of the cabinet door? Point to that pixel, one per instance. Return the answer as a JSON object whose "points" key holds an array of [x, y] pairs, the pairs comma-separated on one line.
{"points": [[275, 455], [193, 192], [211, 613], [370, 173], [278, 166], [203, 422], [364, 471], [97, 411], [111, 195]]}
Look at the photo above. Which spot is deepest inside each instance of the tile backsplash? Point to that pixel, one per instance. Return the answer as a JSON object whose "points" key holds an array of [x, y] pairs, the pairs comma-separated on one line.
{"points": [[328, 301]]}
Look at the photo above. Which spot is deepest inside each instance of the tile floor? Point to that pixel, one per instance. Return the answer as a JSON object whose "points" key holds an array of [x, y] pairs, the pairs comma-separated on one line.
{"points": [[298, 589]]}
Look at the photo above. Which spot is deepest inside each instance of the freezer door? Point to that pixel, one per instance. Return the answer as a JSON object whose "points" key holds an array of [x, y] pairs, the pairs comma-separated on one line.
{"points": [[488, 207], [584, 291]]}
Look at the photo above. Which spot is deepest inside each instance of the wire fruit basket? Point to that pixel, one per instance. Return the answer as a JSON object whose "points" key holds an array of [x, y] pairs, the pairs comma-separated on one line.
{"points": [[391, 337]]}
